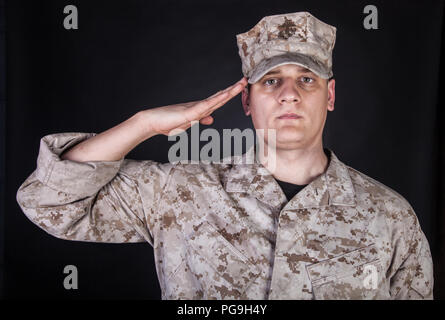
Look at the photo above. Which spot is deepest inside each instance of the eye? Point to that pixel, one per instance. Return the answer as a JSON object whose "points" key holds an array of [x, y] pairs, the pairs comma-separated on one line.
{"points": [[270, 82], [307, 80]]}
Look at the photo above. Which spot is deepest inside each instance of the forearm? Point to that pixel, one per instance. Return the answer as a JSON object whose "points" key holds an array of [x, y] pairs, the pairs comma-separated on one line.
{"points": [[114, 143]]}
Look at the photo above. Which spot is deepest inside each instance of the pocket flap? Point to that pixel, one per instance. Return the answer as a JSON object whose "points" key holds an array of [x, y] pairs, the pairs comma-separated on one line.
{"points": [[342, 265]]}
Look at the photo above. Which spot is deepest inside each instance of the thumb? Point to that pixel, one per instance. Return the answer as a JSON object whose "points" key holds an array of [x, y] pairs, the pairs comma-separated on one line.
{"points": [[206, 120]]}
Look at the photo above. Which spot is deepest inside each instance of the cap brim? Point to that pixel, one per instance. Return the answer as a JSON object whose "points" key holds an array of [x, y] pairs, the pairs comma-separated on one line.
{"points": [[289, 58]]}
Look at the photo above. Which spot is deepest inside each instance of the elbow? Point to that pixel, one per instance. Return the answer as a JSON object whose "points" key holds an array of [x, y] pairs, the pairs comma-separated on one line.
{"points": [[48, 218]]}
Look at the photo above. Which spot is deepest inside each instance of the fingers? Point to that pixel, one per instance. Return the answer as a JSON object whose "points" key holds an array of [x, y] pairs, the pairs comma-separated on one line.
{"points": [[202, 109], [210, 104], [240, 84], [229, 91], [243, 81], [232, 93]]}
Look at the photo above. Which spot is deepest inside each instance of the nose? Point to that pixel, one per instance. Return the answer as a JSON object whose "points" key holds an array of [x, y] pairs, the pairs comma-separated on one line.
{"points": [[289, 92]]}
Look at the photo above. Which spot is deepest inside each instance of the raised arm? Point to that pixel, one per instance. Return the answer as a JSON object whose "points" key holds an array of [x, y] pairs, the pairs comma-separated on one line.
{"points": [[117, 142], [83, 188]]}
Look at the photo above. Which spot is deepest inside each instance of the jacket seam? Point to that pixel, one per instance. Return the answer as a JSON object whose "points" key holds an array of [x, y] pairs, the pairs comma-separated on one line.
{"points": [[50, 171], [167, 184], [163, 280]]}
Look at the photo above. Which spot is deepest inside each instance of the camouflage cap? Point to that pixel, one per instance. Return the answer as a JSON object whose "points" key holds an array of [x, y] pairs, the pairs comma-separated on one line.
{"points": [[296, 38]]}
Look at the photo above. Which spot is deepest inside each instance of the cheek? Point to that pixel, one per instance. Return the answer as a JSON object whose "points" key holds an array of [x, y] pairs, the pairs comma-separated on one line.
{"points": [[261, 108], [258, 118], [317, 98], [317, 106]]}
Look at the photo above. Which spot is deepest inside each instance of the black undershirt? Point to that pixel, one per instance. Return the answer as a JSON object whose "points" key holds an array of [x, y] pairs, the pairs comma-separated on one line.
{"points": [[290, 189]]}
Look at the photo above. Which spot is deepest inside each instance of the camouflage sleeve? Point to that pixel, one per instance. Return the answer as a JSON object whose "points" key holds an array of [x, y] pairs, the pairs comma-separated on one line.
{"points": [[414, 278], [97, 201]]}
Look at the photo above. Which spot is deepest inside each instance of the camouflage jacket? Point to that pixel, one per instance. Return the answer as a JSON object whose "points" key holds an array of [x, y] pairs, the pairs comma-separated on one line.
{"points": [[227, 231]]}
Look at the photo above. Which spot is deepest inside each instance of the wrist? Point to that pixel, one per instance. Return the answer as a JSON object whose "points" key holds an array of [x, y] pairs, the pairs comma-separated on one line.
{"points": [[143, 122]]}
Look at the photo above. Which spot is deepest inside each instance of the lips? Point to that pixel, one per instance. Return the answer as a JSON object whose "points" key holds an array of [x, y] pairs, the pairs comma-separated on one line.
{"points": [[289, 116]]}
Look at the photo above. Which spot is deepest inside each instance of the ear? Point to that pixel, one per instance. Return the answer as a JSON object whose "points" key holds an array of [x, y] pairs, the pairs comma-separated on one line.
{"points": [[331, 94], [246, 101]]}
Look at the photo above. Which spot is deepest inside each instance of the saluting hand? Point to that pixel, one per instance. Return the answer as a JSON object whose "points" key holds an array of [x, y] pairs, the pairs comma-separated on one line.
{"points": [[173, 119]]}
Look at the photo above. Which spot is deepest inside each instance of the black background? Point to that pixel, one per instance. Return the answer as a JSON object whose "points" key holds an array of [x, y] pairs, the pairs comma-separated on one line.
{"points": [[130, 55]]}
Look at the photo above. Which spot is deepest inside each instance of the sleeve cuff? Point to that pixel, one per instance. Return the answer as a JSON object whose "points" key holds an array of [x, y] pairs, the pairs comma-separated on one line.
{"points": [[77, 178]]}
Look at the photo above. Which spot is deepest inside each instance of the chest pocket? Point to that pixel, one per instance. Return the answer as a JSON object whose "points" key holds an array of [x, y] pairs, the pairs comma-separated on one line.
{"points": [[354, 275], [221, 270]]}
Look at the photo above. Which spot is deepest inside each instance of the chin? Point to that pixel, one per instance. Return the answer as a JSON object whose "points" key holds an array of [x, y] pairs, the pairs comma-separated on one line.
{"points": [[289, 138], [289, 145], [291, 135]]}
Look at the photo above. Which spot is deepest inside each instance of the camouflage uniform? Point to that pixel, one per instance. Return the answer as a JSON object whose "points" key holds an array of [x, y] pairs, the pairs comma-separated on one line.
{"points": [[226, 231]]}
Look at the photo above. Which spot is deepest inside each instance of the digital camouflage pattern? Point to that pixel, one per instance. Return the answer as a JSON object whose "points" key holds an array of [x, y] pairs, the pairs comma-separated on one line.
{"points": [[226, 231], [297, 38]]}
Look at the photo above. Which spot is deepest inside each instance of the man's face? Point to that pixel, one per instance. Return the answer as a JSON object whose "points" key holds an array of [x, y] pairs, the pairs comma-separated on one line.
{"points": [[293, 101]]}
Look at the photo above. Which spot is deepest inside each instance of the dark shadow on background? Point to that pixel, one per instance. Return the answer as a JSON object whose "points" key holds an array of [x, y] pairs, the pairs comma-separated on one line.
{"points": [[132, 55], [2, 141], [439, 164]]}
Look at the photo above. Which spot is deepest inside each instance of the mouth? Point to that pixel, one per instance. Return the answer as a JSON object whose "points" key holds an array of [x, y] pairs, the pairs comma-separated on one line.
{"points": [[289, 116]]}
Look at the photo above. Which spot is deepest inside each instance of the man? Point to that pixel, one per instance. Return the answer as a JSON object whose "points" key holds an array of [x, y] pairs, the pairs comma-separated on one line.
{"points": [[309, 227]]}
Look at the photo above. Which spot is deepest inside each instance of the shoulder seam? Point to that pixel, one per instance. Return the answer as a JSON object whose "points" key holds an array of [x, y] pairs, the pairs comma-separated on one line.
{"points": [[167, 183]]}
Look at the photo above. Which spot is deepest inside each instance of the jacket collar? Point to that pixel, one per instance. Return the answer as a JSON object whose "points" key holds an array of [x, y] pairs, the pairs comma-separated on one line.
{"points": [[333, 187]]}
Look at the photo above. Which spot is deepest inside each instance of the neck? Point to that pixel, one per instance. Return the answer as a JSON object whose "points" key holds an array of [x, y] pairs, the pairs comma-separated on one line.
{"points": [[297, 166]]}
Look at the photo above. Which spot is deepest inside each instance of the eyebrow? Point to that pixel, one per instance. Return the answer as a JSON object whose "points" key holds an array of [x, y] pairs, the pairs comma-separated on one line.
{"points": [[272, 72]]}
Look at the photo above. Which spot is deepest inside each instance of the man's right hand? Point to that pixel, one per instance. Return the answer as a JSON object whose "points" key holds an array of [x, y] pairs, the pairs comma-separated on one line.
{"points": [[115, 143], [173, 119]]}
